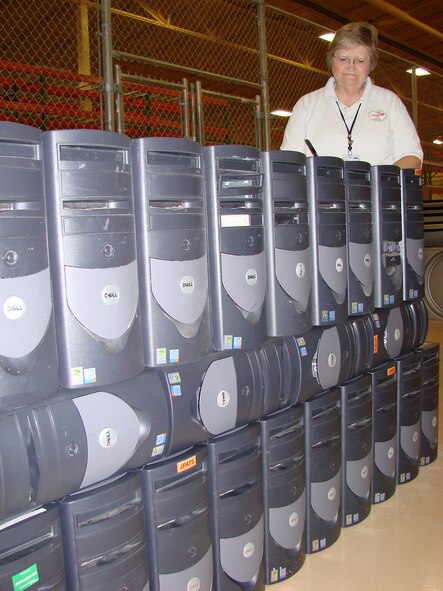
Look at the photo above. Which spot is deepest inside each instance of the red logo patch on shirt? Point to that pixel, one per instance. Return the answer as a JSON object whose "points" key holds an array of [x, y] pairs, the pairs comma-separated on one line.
{"points": [[377, 115]]}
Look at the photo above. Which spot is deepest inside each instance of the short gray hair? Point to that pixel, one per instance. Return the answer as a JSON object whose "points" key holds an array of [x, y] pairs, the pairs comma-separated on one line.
{"points": [[354, 34]]}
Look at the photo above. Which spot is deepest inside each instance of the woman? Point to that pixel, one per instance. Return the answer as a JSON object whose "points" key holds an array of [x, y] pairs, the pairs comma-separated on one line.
{"points": [[350, 117]]}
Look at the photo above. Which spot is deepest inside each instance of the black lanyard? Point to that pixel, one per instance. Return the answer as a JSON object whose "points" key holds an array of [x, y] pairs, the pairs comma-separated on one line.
{"points": [[349, 129]]}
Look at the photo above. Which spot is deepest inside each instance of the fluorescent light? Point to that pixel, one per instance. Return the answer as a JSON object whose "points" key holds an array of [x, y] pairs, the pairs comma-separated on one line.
{"points": [[281, 113], [419, 72], [327, 37], [438, 141]]}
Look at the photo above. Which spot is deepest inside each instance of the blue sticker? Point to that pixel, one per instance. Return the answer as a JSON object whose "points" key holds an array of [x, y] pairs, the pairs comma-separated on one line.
{"points": [[176, 390], [174, 356], [237, 342], [90, 375], [161, 438]]}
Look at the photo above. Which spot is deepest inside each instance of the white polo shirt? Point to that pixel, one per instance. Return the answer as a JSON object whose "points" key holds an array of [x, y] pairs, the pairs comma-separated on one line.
{"points": [[383, 131]]}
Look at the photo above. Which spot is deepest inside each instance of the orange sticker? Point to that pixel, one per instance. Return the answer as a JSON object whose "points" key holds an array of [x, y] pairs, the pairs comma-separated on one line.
{"points": [[376, 343], [186, 464], [391, 371]]}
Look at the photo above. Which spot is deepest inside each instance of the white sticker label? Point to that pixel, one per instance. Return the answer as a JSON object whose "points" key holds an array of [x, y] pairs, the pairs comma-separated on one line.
{"points": [[390, 453], [332, 492], [434, 421], [251, 276], [14, 308], [364, 472], [223, 399], [248, 550], [107, 438], [187, 284], [110, 295], [293, 519], [397, 334], [339, 265]]}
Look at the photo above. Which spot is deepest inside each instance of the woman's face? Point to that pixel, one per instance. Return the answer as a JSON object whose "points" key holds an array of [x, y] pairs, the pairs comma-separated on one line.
{"points": [[351, 67]]}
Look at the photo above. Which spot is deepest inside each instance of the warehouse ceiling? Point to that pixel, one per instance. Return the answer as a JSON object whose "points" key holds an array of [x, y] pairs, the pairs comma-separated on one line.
{"points": [[412, 29]]}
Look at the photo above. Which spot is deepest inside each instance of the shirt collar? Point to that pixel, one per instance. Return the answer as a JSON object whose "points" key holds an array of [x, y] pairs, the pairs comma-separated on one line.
{"points": [[330, 90]]}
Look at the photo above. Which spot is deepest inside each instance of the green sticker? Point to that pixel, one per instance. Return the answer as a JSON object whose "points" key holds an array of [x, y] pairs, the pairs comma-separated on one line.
{"points": [[26, 578]]}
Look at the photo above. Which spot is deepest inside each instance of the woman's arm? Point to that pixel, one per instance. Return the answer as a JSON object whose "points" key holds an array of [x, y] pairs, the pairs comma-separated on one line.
{"points": [[408, 162]]}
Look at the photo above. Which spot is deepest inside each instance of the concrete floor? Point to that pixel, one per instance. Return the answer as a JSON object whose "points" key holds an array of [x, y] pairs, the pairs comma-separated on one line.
{"points": [[399, 547]]}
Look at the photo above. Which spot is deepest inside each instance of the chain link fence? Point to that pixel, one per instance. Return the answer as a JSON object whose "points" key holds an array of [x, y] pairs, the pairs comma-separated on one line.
{"points": [[50, 63], [190, 68]]}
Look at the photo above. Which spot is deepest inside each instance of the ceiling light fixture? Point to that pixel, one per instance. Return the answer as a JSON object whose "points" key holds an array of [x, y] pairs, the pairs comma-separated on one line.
{"points": [[419, 72], [327, 37], [281, 113]]}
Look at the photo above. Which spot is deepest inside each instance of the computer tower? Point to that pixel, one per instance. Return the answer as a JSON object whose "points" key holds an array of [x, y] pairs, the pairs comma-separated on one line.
{"points": [[80, 438], [211, 396], [433, 274], [236, 509], [91, 238], [28, 355], [429, 409], [409, 395], [170, 218], [393, 333], [176, 509], [362, 343], [418, 318], [31, 554], [316, 361], [272, 362], [284, 498], [328, 240], [387, 235], [104, 540], [237, 260], [356, 429], [322, 416], [288, 253], [359, 231], [384, 431], [412, 244]]}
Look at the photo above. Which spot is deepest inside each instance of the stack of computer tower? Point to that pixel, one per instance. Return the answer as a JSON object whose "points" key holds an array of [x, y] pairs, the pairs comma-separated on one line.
{"points": [[223, 362], [31, 551], [104, 539], [177, 518], [91, 236], [28, 355], [237, 258], [236, 508], [323, 457], [284, 497], [429, 408], [169, 195]]}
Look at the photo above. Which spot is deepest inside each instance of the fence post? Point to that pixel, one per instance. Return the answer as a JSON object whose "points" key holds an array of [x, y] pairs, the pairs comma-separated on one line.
{"points": [[119, 106], [263, 72], [107, 65]]}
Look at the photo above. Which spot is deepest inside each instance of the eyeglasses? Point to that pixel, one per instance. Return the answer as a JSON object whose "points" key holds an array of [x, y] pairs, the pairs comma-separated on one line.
{"points": [[344, 60]]}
